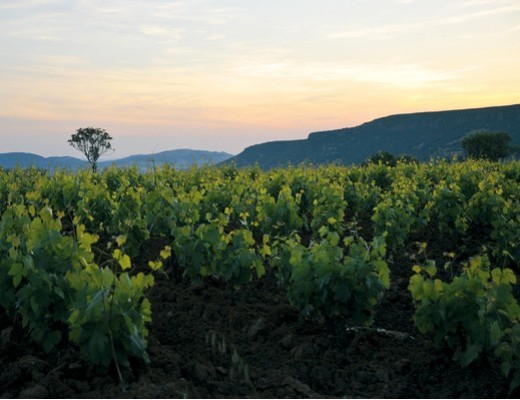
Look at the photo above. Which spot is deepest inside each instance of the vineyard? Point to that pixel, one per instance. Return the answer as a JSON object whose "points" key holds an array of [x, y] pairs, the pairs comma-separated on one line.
{"points": [[371, 281]]}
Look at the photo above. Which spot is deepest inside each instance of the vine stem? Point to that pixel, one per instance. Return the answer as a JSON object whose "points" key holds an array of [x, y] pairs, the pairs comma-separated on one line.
{"points": [[121, 380], [119, 375]]}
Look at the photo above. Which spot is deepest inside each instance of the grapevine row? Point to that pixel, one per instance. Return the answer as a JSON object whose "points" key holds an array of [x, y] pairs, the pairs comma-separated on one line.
{"points": [[327, 233]]}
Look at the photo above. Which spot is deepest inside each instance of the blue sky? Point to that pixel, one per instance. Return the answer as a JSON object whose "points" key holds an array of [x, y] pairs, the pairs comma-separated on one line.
{"points": [[223, 75]]}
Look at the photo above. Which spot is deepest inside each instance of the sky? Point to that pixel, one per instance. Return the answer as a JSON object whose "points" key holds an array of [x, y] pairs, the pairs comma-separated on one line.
{"points": [[226, 74]]}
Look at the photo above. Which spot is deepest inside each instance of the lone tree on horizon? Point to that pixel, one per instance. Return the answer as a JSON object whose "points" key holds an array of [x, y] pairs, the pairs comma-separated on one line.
{"points": [[92, 142], [491, 146]]}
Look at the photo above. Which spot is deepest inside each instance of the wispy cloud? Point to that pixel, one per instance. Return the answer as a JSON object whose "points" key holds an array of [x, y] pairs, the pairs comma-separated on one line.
{"points": [[25, 4], [375, 32], [166, 33], [488, 2], [456, 16], [482, 14], [397, 75], [34, 20]]}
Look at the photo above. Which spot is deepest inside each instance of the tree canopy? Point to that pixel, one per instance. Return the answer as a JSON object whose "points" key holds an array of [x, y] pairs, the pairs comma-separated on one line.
{"points": [[491, 146], [92, 142]]}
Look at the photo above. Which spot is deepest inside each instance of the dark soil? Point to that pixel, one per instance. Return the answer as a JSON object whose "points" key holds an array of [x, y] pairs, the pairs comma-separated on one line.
{"points": [[207, 342]]}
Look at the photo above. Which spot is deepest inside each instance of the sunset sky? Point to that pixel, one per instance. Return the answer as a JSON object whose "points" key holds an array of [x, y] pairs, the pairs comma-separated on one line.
{"points": [[223, 75]]}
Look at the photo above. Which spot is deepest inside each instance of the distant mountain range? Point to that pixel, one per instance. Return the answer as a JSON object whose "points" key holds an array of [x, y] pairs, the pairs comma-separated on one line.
{"points": [[182, 158], [422, 135]]}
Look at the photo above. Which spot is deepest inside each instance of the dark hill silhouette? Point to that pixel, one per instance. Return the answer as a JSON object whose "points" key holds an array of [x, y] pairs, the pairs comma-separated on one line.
{"points": [[24, 160], [422, 135], [181, 158]]}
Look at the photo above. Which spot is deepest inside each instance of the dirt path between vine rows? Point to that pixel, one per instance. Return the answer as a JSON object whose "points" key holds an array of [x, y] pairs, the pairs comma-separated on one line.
{"points": [[206, 342]]}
